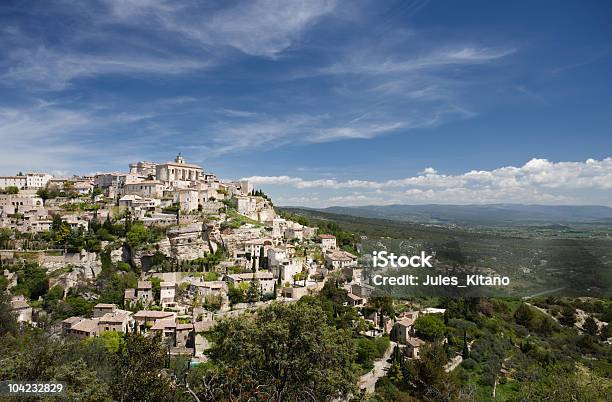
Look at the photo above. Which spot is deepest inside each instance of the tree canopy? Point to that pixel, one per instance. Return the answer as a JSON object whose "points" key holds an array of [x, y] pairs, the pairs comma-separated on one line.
{"points": [[429, 327], [283, 352]]}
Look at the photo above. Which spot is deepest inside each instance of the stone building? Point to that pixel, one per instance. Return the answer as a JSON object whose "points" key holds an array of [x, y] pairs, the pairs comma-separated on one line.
{"points": [[147, 188], [178, 171], [32, 181], [187, 198], [328, 242], [143, 168]]}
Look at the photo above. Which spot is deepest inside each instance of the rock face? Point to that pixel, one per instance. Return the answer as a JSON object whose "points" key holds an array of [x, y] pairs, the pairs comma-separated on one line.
{"points": [[184, 243], [119, 255], [140, 258], [84, 266], [88, 263], [187, 242]]}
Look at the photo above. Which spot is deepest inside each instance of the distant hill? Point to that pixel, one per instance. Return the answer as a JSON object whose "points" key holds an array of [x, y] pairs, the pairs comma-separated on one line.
{"points": [[490, 214]]}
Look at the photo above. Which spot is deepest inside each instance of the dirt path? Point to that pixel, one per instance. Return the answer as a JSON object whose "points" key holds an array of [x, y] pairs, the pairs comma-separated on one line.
{"points": [[368, 380]]}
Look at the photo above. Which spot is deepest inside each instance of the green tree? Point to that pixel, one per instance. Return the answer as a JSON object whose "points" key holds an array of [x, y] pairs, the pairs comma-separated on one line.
{"points": [[284, 352], [253, 293], [429, 327], [12, 190], [524, 315], [53, 296], [113, 341], [60, 230], [559, 383], [426, 377], [212, 302], [568, 316], [83, 384], [395, 373], [384, 306], [235, 294], [590, 326], [43, 193], [6, 235], [156, 288], [366, 353], [32, 281], [34, 355], [137, 236], [8, 321], [139, 364]]}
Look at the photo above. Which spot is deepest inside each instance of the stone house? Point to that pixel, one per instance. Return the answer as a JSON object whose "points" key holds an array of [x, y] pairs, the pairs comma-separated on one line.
{"points": [[167, 293], [146, 319], [21, 308], [266, 280], [85, 328], [337, 259], [328, 242], [413, 346], [147, 188]]}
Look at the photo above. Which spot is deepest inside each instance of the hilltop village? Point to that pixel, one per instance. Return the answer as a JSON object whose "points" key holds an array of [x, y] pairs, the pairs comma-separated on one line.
{"points": [[164, 249]]}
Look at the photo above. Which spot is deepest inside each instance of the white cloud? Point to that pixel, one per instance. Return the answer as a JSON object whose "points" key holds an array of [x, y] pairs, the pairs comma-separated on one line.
{"points": [[537, 181]]}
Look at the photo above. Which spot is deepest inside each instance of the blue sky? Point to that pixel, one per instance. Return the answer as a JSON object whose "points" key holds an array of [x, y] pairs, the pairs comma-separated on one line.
{"points": [[320, 102]]}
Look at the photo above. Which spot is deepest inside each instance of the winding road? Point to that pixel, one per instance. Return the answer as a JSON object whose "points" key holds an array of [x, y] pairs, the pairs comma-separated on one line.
{"points": [[368, 380]]}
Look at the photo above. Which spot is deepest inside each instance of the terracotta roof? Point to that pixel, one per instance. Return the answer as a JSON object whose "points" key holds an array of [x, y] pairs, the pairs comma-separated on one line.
{"points": [[209, 284], [415, 342], [86, 325], [341, 255], [104, 305], [117, 317], [163, 324], [153, 314], [326, 236], [144, 285], [406, 322], [19, 304], [72, 320], [249, 276]]}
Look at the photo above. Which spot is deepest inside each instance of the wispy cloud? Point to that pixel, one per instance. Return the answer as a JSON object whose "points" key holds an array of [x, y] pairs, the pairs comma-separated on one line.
{"points": [[238, 113], [164, 38], [269, 132], [55, 69], [584, 62], [378, 64], [59, 136], [259, 27]]}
